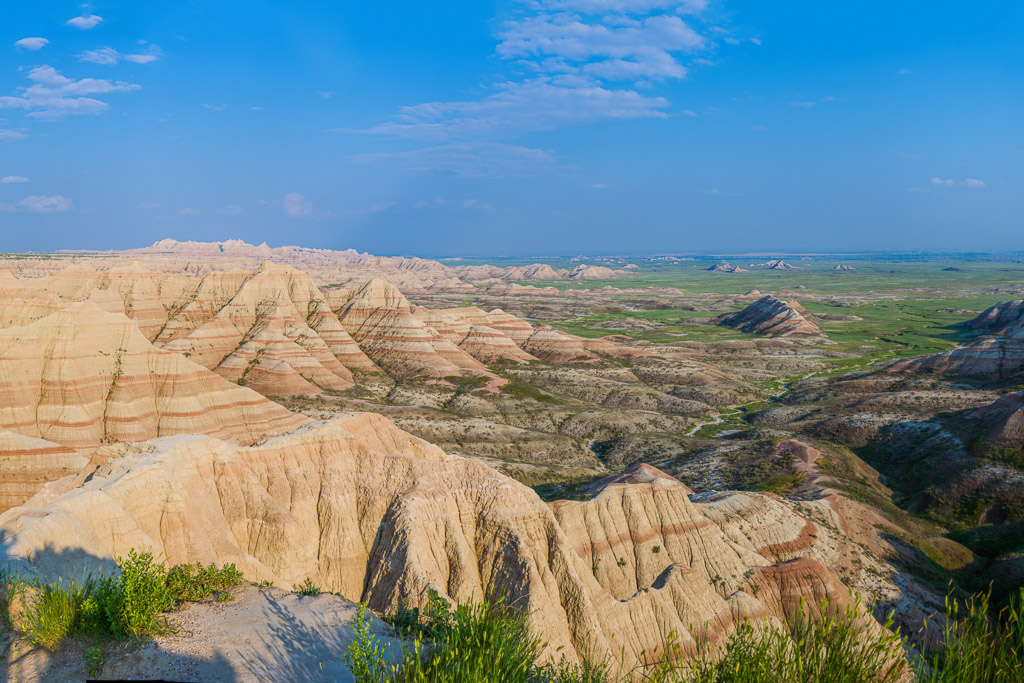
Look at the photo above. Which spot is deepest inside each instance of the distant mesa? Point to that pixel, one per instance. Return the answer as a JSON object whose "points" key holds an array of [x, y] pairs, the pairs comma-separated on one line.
{"points": [[771, 317], [1000, 353], [724, 267], [842, 266], [953, 269], [776, 265], [586, 272]]}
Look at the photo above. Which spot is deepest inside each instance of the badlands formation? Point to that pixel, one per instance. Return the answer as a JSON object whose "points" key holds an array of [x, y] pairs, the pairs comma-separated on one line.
{"points": [[385, 427], [772, 317]]}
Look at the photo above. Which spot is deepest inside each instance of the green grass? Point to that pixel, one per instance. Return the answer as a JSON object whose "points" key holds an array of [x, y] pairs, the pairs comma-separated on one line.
{"points": [[977, 645], [129, 604], [477, 643]]}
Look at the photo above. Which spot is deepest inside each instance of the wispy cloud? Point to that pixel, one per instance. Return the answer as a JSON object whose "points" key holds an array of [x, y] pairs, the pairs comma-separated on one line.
{"points": [[102, 55], [438, 203], [33, 43], [905, 72], [467, 159], [13, 179], [8, 135], [567, 62], [215, 107], [108, 56], [85, 23], [230, 209], [53, 96], [944, 182], [45, 204], [296, 205], [974, 182], [189, 211]]}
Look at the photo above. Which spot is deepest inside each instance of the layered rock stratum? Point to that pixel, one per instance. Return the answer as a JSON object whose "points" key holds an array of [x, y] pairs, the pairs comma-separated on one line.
{"points": [[772, 317]]}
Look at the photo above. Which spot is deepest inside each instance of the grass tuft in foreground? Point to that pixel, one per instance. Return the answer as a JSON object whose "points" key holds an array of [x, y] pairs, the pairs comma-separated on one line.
{"points": [[975, 645], [492, 643]]}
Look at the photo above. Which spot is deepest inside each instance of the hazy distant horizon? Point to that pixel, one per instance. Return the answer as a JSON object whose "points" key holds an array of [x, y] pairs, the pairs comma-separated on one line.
{"points": [[548, 126]]}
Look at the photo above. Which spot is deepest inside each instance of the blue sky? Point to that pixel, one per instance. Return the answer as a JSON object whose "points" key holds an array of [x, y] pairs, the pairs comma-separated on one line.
{"points": [[521, 127]]}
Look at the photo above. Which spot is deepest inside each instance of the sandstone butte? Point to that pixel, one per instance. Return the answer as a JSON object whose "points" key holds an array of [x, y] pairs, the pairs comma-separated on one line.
{"points": [[770, 316], [366, 510], [273, 330], [588, 272], [82, 377], [726, 268], [998, 353]]}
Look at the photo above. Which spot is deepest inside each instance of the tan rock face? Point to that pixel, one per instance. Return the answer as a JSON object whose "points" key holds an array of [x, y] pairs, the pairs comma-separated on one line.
{"points": [[82, 377], [26, 464], [770, 316], [363, 508]]}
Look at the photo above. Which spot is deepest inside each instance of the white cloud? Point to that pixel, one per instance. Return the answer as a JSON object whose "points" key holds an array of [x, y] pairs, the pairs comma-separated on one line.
{"points": [[974, 182], [905, 72], [53, 96], [189, 211], [467, 159], [102, 55], [14, 179], [942, 182], [598, 186], [539, 104], [326, 94], [641, 49], [438, 203], [108, 55], [143, 58], [569, 62], [44, 204], [296, 205], [230, 209], [85, 23], [216, 107], [621, 6], [150, 205], [803, 105], [34, 43], [8, 135]]}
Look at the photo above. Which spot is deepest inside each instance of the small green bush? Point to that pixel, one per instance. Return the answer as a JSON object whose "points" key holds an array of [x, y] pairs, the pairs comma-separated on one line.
{"points": [[94, 660], [194, 582], [144, 594], [307, 588]]}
